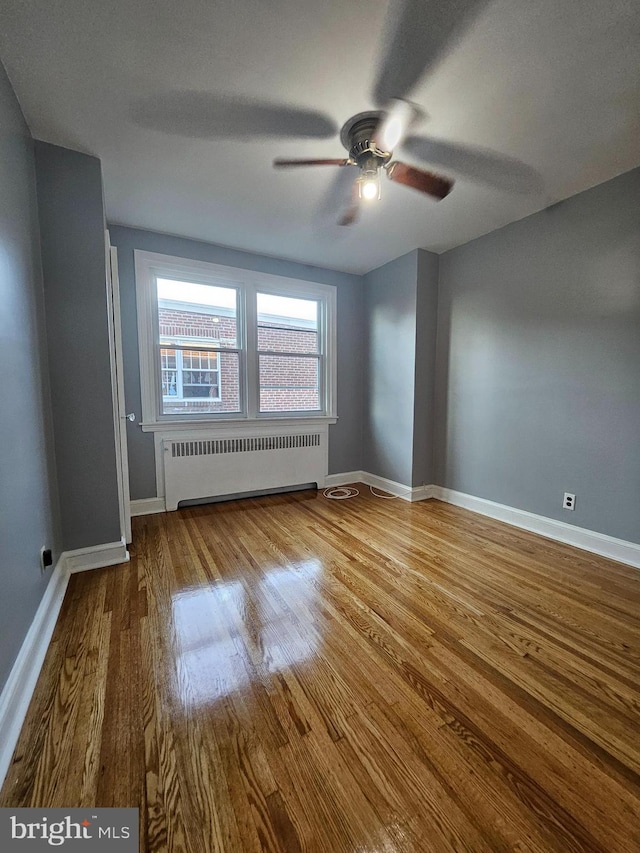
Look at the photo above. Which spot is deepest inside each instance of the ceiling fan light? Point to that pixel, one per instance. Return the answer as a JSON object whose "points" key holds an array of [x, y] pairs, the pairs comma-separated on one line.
{"points": [[369, 185], [370, 189]]}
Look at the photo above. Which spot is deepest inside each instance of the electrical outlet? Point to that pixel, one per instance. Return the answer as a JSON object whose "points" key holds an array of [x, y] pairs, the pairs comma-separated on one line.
{"points": [[569, 501], [46, 558]]}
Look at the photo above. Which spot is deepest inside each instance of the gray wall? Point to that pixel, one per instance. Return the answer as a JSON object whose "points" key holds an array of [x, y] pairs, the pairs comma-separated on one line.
{"points": [[389, 368], [345, 437], [72, 227], [425, 367], [538, 376], [400, 316], [28, 497]]}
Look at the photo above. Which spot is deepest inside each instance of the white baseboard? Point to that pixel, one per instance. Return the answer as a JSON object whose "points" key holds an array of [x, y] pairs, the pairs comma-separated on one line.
{"points": [[147, 506], [579, 537], [96, 556], [400, 490], [407, 493], [421, 493], [342, 479], [150, 506], [18, 690], [19, 687]]}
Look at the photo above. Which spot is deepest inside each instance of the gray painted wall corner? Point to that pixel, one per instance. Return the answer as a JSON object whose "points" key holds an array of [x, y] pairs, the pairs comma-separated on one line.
{"points": [[71, 215], [28, 494], [389, 368], [425, 358], [538, 369]]}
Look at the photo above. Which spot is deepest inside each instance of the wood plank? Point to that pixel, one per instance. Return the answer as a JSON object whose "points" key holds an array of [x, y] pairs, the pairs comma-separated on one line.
{"points": [[289, 673]]}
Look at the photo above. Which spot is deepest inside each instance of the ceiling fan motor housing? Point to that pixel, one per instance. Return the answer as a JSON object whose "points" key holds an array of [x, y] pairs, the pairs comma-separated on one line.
{"points": [[357, 137]]}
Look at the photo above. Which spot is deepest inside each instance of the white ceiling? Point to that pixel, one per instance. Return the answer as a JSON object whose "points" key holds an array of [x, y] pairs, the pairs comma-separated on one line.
{"points": [[554, 83]]}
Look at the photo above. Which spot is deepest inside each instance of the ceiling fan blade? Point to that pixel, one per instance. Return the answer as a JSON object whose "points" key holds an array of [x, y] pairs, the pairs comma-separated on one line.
{"points": [[418, 179], [280, 163], [205, 115], [341, 198], [417, 33], [351, 213], [399, 119], [480, 164]]}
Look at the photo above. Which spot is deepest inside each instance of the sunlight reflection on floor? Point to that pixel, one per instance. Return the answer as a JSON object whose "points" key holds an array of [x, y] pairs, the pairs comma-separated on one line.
{"points": [[231, 632]]}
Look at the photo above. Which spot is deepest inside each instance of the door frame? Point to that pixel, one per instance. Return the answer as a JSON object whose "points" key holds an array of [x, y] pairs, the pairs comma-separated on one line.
{"points": [[120, 416]]}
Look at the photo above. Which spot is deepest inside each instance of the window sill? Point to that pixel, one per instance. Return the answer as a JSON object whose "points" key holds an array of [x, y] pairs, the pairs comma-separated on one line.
{"points": [[238, 424]]}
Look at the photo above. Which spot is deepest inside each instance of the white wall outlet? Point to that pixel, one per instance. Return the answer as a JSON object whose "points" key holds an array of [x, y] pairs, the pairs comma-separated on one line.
{"points": [[569, 501]]}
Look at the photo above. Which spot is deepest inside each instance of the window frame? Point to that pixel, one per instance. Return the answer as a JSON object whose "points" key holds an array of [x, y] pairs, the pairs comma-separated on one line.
{"points": [[151, 265]]}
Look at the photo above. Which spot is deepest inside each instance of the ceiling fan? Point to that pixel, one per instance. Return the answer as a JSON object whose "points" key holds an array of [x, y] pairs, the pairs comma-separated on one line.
{"points": [[417, 34], [370, 139]]}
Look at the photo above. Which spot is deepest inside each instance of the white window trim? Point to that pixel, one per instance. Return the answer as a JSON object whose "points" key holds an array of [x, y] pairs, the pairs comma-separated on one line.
{"points": [[150, 264]]}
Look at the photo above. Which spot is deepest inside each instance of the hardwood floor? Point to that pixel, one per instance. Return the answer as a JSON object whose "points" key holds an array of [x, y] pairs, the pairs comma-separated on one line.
{"points": [[292, 673]]}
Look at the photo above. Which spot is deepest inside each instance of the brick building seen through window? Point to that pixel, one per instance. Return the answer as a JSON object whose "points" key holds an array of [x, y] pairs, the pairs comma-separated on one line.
{"points": [[200, 380]]}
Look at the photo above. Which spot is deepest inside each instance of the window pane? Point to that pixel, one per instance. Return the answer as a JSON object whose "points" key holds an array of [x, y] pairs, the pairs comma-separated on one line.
{"points": [[169, 374], [197, 313], [200, 375], [288, 383], [199, 382], [286, 324]]}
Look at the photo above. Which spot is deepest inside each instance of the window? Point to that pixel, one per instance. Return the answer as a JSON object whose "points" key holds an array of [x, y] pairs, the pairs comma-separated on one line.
{"points": [[219, 343], [197, 347], [189, 375], [288, 353]]}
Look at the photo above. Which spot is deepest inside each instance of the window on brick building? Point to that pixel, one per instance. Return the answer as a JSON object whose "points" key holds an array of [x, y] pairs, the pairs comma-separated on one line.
{"points": [[288, 353], [221, 343]]}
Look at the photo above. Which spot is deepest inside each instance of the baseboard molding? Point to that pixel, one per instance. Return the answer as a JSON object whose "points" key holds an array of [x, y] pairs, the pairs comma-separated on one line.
{"points": [[96, 556], [400, 490], [18, 690], [150, 506], [342, 479], [579, 537], [147, 506], [407, 493]]}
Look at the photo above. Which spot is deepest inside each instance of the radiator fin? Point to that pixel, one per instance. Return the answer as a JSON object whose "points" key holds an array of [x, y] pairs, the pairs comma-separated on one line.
{"points": [[216, 446]]}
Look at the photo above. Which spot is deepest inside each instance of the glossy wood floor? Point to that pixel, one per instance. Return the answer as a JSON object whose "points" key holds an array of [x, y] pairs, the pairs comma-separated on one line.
{"points": [[291, 673]]}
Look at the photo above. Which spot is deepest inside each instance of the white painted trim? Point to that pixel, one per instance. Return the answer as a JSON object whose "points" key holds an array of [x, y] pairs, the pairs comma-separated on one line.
{"points": [[18, 690], [579, 537], [233, 426], [247, 283], [19, 687], [96, 556], [345, 479], [407, 493], [117, 388], [421, 493], [147, 506]]}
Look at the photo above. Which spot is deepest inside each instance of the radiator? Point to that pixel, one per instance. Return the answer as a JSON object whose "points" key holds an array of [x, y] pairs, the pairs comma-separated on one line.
{"points": [[205, 467]]}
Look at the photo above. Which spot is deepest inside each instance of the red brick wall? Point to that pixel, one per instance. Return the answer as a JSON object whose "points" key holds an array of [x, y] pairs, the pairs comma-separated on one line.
{"points": [[287, 383]]}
